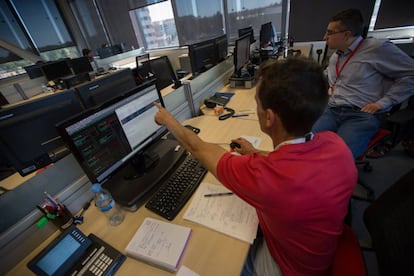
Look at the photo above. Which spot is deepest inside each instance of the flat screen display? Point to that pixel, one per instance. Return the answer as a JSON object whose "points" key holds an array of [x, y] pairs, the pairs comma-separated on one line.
{"points": [[81, 65], [56, 70], [241, 53], [28, 136], [105, 138]]}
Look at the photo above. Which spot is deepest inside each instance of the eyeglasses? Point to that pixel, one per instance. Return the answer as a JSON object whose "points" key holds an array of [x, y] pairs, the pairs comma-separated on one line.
{"points": [[329, 32]]}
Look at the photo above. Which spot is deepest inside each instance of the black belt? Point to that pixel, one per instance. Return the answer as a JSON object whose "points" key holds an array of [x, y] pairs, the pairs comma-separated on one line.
{"points": [[351, 107]]}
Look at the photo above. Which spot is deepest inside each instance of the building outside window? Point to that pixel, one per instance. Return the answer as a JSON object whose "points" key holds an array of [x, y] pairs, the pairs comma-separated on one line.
{"points": [[156, 26]]}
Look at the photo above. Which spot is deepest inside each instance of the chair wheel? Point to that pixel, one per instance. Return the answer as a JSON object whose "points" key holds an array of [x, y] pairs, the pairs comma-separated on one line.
{"points": [[367, 168]]}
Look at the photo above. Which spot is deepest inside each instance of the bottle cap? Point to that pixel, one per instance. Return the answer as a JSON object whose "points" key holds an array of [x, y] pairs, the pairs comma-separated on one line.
{"points": [[96, 187]]}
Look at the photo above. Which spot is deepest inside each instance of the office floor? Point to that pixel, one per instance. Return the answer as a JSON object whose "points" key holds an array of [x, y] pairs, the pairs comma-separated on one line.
{"points": [[386, 171]]}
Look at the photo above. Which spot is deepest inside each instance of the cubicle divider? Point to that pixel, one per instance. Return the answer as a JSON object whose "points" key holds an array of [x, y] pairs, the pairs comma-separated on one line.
{"points": [[19, 233], [211, 81]]}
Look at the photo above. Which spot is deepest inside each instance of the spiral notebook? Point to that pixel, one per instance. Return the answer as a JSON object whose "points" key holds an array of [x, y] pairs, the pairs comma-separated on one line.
{"points": [[159, 243]]}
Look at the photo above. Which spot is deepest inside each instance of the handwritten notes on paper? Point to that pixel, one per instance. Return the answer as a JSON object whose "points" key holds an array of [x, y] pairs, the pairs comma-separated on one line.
{"points": [[226, 214], [159, 243], [255, 141]]}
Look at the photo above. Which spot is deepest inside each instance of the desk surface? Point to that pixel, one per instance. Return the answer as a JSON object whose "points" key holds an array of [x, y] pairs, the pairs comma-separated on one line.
{"points": [[208, 252]]}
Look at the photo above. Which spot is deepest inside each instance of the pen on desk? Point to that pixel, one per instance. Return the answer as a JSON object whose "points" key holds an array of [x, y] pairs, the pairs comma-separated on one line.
{"points": [[240, 115], [218, 194]]}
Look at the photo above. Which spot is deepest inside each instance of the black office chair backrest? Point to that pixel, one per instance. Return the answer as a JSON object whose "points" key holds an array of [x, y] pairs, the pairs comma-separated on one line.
{"points": [[390, 222]]}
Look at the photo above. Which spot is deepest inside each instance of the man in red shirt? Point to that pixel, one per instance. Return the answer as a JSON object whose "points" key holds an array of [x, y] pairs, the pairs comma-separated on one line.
{"points": [[302, 188]]}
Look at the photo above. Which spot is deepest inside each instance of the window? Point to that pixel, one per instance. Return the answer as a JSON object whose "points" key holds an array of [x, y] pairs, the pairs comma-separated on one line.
{"points": [[242, 14], [34, 26], [10, 32], [157, 26], [198, 20], [90, 22]]}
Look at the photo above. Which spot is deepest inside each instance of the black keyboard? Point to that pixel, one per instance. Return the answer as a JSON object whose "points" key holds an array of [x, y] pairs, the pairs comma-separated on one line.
{"points": [[178, 188]]}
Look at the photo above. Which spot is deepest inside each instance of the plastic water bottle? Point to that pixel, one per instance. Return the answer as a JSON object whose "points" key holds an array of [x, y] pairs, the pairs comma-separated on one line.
{"points": [[104, 201]]}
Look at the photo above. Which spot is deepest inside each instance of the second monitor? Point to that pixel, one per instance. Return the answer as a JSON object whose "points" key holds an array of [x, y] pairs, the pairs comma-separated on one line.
{"points": [[163, 71]]}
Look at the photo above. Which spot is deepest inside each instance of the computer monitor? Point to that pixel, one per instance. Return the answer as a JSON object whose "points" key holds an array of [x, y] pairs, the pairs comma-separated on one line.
{"points": [[56, 70], [117, 49], [241, 54], [247, 31], [34, 71], [106, 138], [143, 70], [268, 35], [105, 52], [106, 88], [81, 65], [162, 69], [221, 45], [28, 136], [202, 56]]}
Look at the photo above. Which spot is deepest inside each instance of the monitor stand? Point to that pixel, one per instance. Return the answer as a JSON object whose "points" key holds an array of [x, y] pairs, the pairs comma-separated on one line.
{"points": [[141, 164], [131, 190], [244, 82]]}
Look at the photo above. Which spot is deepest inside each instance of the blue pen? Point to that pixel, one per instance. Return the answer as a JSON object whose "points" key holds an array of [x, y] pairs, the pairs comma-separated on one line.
{"points": [[240, 115]]}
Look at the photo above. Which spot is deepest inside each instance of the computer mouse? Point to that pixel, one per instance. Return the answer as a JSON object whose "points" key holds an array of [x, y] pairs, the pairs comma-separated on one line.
{"points": [[234, 145], [194, 129]]}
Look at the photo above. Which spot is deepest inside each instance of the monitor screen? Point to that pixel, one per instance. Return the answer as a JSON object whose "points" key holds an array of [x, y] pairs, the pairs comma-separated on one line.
{"points": [[241, 54], [105, 52], [56, 70], [268, 35], [81, 65], [116, 49], [34, 71], [202, 56], [143, 67], [162, 69], [247, 31], [221, 48], [105, 138], [106, 88], [28, 136]]}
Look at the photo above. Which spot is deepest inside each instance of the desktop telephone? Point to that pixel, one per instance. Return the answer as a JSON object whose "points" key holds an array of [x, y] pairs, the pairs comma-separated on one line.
{"points": [[74, 253]]}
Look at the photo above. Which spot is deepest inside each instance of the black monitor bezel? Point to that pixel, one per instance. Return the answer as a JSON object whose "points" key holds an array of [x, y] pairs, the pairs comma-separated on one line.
{"points": [[198, 64], [104, 89], [238, 43], [268, 35], [247, 31], [143, 66], [51, 72], [28, 114], [81, 65], [70, 121], [166, 66], [34, 71]]}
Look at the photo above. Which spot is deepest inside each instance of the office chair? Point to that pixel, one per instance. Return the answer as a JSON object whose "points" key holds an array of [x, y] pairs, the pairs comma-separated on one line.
{"points": [[348, 259], [389, 132], [389, 221], [382, 135]]}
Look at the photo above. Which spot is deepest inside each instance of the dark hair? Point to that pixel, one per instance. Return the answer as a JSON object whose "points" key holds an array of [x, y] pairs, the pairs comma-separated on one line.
{"points": [[350, 19], [296, 89], [86, 51]]}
